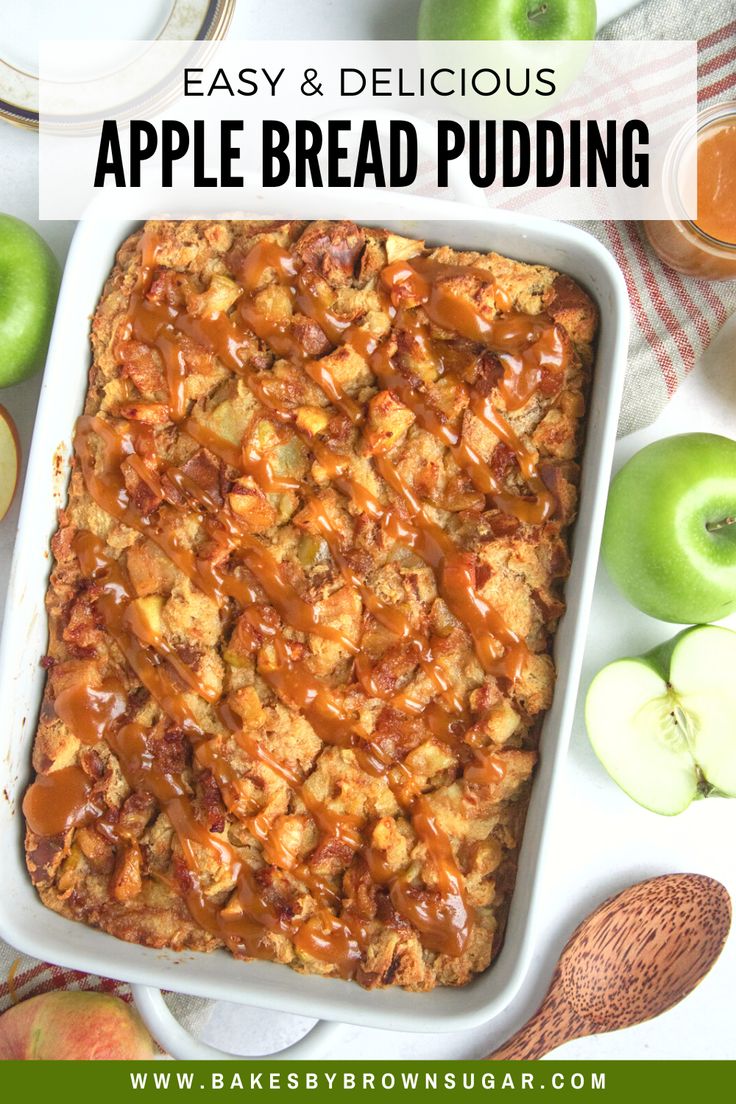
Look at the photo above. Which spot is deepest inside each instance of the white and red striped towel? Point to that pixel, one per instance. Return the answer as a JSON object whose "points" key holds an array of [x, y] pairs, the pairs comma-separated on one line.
{"points": [[675, 319], [24, 977]]}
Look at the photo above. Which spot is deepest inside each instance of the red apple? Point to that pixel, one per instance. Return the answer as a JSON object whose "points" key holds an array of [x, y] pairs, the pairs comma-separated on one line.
{"points": [[9, 460], [73, 1025]]}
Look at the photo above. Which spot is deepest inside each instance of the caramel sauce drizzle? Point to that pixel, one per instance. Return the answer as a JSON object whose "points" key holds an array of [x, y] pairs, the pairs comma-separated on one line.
{"points": [[90, 711], [241, 929], [525, 347], [246, 916], [108, 490], [60, 800], [485, 769], [219, 334]]}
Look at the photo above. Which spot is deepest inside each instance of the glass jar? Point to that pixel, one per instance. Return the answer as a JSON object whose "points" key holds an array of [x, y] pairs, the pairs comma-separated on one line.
{"points": [[696, 247]]}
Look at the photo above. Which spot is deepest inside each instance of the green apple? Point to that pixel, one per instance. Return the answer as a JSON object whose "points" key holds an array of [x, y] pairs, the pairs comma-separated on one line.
{"points": [[669, 539], [29, 285], [664, 724], [507, 20], [9, 460]]}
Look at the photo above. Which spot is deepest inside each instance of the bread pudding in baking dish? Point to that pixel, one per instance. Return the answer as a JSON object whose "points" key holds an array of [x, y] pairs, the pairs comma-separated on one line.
{"points": [[304, 593]]}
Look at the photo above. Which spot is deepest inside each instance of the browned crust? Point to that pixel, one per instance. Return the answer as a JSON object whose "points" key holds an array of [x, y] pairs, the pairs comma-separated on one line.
{"points": [[521, 571]]}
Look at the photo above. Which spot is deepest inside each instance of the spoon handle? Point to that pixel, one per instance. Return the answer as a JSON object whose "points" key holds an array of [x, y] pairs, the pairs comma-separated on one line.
{"points": [[552, 1025]]}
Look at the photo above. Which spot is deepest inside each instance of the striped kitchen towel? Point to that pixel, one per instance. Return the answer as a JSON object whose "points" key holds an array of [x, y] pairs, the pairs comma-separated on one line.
{"points": [[674, 317], [22, 977]]}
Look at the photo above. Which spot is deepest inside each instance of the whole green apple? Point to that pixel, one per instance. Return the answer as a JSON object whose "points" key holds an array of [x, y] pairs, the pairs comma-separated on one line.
{"points": [[29, 285], [664, 724], [669, 539], [507, 20]]}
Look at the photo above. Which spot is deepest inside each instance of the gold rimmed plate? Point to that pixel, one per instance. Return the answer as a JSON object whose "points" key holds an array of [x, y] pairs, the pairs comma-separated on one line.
{"points": [[117, 25]]}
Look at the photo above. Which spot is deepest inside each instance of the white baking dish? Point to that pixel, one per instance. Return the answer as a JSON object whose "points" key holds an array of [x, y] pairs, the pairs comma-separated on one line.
{"points": [[30, 927]]}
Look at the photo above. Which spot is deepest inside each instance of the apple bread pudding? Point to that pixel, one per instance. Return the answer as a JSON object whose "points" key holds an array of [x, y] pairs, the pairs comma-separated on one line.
{"points": [[304, 591]]}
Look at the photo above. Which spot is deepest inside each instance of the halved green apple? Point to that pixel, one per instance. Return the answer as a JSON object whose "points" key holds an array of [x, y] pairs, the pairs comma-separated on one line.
{"points": [[664, 724], [9, 460]]}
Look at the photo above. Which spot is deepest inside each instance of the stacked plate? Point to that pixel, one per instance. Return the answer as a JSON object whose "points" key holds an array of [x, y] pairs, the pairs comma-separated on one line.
{"points": [[122, 26]]}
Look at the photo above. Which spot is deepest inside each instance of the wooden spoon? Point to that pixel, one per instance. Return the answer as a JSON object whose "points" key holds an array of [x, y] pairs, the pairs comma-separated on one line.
{"points": [[636, 956]]}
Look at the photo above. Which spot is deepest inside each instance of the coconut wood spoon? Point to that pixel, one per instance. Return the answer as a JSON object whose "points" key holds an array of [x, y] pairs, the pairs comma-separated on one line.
{"points": [[636, 956]]}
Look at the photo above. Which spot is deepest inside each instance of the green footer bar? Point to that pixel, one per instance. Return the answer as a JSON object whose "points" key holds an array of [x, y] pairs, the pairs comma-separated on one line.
{"points": [[330, 1081]]}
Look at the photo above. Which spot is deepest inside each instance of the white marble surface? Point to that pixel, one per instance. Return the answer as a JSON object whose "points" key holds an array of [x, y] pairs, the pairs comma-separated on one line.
{"points": [[604, 841]]}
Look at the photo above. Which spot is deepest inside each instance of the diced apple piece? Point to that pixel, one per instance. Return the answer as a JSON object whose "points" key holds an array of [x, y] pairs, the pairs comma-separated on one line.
{"points": [[143, 618], [216, 299], [229, 418], [126, 881], [399, 249], [289, 460], [388, 421], [250, 504], [312, 419]]}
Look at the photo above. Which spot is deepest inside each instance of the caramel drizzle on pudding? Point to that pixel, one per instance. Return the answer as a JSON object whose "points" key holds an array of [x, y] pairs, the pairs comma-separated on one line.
{"points": [[526, 347], [444, 923], [60, 800], [107, 488]]}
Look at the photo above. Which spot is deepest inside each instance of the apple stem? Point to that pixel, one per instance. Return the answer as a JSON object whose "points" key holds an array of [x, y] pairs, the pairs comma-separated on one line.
{"points": [[714, 526], [537, 12]]}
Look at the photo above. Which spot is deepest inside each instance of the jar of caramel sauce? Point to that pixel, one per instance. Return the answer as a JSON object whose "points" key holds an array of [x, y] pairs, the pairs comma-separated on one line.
{"points": [[706, 245]]}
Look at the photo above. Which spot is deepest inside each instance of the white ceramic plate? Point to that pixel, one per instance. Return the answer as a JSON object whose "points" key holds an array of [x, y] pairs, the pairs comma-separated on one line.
{"points": [[37, 931], [133, 21]]}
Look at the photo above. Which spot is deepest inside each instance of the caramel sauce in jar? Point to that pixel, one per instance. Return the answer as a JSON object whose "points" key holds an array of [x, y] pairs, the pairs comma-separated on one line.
{"points": [[717, 181], [704, 246]]}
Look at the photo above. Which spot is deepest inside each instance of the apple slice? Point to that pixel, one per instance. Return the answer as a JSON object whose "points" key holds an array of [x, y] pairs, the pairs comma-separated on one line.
{"points": [[664, 724], [9, 461], [630, 719], [703, 672]]}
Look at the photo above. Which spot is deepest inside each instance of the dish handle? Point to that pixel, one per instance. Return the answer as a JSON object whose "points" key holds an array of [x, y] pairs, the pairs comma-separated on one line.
{"points": [[176, 1040]]}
